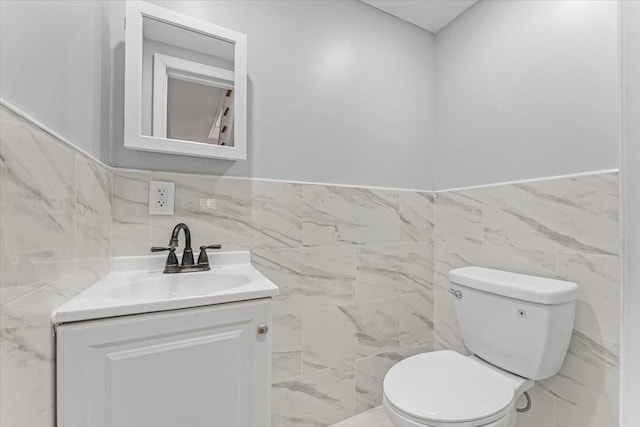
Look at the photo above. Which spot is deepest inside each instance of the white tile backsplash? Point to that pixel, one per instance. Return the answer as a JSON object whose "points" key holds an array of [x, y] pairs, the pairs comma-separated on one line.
{"points": [[318, 399], [393, 269], [362, 272], [55, 237], [276, 215], [131, 226], [37, 209], [334, 215], [309, 278], [458, 215], [563, 228], [588, 381], [93, 210], [287, 347], [577, 214]]}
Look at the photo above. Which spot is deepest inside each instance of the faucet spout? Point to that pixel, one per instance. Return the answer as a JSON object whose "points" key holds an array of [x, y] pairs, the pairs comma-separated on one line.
{"points": [[187, 256]]}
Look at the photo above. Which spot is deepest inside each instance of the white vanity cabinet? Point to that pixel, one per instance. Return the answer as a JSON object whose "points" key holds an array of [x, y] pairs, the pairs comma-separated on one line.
{"points": [[206, 366]]}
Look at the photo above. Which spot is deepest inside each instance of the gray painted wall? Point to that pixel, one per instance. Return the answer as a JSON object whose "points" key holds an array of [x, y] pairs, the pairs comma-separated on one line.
{"points": [[339, 92], [630, 352], [526, 89], [51, 56]]}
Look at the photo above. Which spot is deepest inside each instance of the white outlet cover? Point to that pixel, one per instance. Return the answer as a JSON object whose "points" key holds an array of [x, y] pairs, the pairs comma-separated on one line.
{"points": [[161, 197]]}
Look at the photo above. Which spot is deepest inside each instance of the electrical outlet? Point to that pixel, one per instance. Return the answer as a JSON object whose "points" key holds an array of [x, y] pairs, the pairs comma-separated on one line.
{"points": [[161, 197]]}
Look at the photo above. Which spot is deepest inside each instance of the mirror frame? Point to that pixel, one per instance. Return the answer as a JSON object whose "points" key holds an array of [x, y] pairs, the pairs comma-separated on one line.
{"points": [[133, 139]]}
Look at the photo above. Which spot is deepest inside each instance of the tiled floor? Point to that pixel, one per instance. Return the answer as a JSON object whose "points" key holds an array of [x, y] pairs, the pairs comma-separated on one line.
{"points": [[372, 418]]}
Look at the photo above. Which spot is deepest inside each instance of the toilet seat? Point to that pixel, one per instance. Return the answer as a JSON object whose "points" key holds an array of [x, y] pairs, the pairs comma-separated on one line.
{"points": [[445, 388]]}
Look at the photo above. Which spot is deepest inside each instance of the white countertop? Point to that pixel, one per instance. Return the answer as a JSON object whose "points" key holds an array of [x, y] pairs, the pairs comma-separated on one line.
{"points": [[137, 285]]}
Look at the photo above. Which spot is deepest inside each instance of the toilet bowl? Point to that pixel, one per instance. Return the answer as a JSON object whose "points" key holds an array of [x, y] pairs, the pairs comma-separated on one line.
{"points": [[445, 388], [517, 327]]}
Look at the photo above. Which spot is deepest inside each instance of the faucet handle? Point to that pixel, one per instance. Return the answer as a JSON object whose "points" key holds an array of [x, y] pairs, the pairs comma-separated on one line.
{"points": [[203, 259], [162, 248], [171, 265], [216, 246]]}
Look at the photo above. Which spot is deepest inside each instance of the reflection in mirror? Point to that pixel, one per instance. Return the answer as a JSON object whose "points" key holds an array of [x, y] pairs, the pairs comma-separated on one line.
{"points": [[198, 113], [187, 85]]}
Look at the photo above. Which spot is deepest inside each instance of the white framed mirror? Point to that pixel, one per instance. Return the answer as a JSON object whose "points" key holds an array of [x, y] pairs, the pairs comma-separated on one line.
{"points": [[185, 85]]}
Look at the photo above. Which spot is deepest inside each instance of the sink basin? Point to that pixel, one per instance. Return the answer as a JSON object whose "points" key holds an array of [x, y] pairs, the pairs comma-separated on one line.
{"points": [[137, 285], [170, 286]]}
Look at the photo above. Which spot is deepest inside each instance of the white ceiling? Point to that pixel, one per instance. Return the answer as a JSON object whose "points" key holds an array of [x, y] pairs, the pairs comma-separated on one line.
{"points": [[432, 15]]}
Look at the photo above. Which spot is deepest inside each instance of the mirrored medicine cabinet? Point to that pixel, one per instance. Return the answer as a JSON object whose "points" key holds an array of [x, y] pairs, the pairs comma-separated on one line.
{"points": [[185, 85]]}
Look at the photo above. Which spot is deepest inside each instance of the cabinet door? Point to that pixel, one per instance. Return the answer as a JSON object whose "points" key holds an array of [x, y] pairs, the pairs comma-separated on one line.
{"points": [[198, 367]]}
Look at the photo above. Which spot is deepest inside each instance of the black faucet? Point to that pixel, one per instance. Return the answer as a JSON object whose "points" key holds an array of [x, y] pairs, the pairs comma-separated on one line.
{"points": [[171, 266], [187, 255]]}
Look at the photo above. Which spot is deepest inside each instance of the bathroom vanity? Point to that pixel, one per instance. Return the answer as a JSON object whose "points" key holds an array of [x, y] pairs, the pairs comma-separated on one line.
{"points": [[142, 348]]}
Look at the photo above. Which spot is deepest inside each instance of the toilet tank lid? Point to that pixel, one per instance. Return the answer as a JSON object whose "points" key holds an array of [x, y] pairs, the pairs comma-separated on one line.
{"points": [[514, 285]]}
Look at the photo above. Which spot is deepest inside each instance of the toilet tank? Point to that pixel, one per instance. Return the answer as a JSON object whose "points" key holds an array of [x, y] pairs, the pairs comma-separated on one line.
{"points": [[520, 323]]}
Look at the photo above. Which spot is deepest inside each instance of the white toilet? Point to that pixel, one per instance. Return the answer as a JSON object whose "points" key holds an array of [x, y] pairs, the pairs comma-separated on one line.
{"points": [[518, 328]]}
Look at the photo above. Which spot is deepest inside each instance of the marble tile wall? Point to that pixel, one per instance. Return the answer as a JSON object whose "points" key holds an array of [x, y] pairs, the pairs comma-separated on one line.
{"points": [[563, 228], [362, 272], [354, 267], [55, 232]]}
